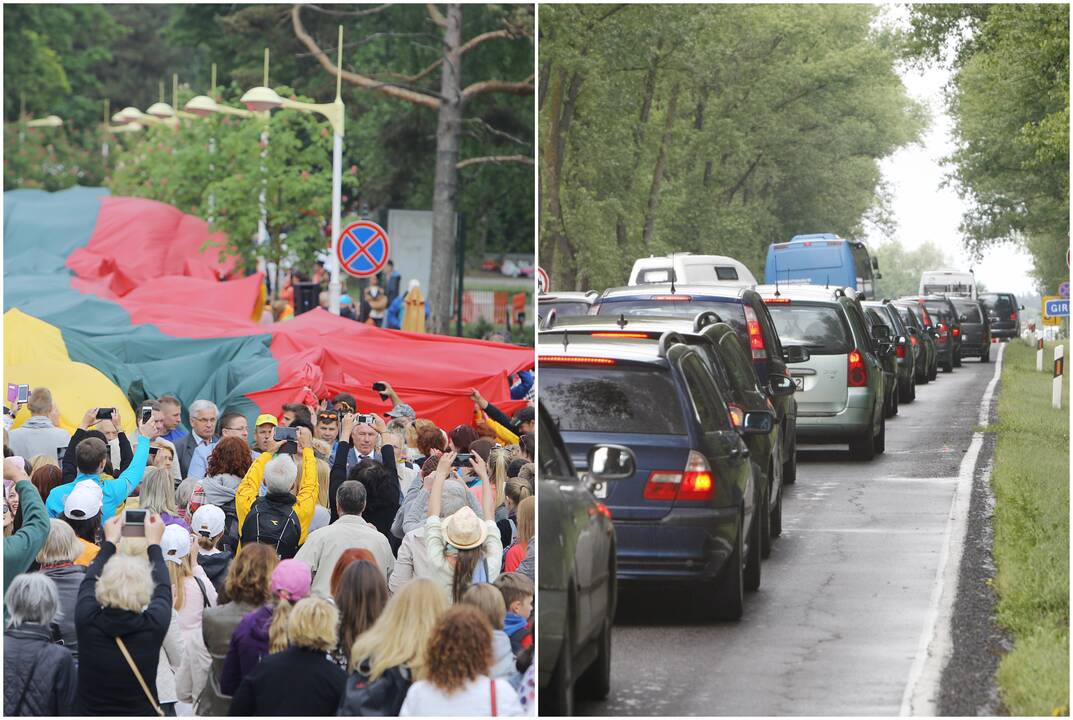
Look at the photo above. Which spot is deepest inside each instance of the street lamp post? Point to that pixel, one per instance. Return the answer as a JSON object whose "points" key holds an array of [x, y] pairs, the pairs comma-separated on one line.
{"points": [[265, 98]]}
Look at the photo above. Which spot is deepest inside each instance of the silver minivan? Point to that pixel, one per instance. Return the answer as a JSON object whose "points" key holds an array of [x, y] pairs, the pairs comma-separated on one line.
{"points": [[841, 387]]}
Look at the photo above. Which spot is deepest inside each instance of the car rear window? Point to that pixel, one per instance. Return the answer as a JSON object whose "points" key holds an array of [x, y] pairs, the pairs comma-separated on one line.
{"points": [[820, 328], [940, 313], [971, 311], [621, 399], [879, 315], [564, 309], [1002, 304], [730, 311], [656, 275]]}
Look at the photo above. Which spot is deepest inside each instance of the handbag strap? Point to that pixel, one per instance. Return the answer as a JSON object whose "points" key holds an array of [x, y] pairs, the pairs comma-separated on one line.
{"points": [[493, 696], [137, 674]]}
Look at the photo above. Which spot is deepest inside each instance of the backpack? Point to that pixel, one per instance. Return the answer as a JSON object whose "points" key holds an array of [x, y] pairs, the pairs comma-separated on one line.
{"points": [[274, 524], [229, 541], [378, 698]]}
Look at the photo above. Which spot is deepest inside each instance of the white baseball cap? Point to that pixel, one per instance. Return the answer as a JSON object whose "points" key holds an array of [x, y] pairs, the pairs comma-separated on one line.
{"points": [[175, 544], [208, 520], [84, 501]]}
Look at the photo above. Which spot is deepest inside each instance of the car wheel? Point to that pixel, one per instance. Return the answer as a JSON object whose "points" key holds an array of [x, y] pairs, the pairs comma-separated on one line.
{"points": [[756, 545], [914, 396], [765, 517], [881, 439], [895, 399], [595, 683], [948, 364], [934, 371], [729, 597], [985, 356], [864, 447], [776, 517], [905, 391], [558, 699], [789, 468], [957, 359]]}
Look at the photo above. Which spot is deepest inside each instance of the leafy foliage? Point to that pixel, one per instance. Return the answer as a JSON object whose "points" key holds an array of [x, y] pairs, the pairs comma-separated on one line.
{"points": [[901, 268], [710, 128]]}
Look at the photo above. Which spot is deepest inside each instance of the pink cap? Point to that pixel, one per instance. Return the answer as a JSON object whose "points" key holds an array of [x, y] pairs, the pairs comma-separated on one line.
{"points": [[291, 579]]}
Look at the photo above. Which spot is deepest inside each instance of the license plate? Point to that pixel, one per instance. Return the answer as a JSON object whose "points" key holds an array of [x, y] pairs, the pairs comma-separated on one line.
{"points": [[799, 382]]}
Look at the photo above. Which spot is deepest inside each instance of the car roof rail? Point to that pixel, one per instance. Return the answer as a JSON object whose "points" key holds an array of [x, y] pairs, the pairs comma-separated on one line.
{"points": [[668, 339], [704, 319]]}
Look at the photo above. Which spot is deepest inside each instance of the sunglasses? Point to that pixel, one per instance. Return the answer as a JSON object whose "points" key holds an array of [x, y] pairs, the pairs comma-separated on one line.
{"points": [[328, 416]]}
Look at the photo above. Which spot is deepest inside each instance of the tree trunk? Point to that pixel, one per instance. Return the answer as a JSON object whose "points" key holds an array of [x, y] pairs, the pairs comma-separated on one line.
{"points": [[445, 194], [657, 173]]}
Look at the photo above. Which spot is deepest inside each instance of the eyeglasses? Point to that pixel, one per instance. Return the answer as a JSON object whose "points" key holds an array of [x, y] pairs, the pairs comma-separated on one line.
{"points": [[204, 419]]}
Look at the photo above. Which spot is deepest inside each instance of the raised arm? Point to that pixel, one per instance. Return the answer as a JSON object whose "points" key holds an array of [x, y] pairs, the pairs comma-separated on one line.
{"points": [[338, 473], [435, 493], [248, 488], [21, 547], [307, 494]]}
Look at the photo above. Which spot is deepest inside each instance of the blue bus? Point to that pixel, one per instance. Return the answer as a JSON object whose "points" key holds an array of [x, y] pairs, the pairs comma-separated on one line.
{"points": [[822, 259]]}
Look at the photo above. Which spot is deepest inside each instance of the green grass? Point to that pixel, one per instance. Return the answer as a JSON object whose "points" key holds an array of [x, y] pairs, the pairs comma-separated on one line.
{"points": [[1030, 480]]}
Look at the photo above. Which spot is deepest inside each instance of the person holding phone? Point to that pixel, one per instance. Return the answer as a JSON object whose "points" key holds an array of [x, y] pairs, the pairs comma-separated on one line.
{"points": [[39, 435], [123, 610], [104, 423], [91, 457], [21, 546]]}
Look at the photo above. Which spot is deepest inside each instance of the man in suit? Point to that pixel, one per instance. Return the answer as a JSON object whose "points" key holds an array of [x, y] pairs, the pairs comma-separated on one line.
{"points": [[203, 415]]}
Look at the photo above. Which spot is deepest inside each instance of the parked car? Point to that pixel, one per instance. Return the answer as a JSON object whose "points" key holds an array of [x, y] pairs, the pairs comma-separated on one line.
{"points": [[904, 348], [975, 331], [689, 269], [922, 340], [690, 514], [741, 308], [516, 268], [490, 265], [947, 330], [889, 362], [577, 578], [841, 389], [565, 304], [1004, 311], [734, 374]]}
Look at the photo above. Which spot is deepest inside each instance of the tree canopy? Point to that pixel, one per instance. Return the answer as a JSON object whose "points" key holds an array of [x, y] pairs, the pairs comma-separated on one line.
{"points": [[710, 128]]}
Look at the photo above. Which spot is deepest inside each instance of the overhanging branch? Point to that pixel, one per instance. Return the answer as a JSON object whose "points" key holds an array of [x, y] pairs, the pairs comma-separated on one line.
{"points": [[524, 87], [496, 159]]}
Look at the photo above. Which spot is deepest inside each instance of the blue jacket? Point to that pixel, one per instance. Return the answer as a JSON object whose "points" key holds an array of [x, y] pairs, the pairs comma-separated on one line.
{"points": [[520, 389], [115, 491]]}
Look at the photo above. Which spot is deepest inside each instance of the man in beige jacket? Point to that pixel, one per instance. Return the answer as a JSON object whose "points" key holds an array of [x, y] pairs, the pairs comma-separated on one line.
{"points": [[323, 547]]}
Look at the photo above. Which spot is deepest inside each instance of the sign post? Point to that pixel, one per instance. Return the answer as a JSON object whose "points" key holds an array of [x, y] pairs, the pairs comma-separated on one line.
{"points": [[1056, 382], [362, 248]]}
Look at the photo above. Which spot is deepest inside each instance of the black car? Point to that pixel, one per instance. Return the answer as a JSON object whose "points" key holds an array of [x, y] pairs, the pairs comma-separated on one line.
{"points": [[975, 330], [1004, 311], [944, 317], [577, 579], [741, 308], [888, 361], [917, 321], [733, 372], [905, 351], [691, 513]]}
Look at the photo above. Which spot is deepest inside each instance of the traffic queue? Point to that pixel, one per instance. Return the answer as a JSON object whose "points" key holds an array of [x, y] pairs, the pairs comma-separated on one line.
{"points": [[671, 413]]}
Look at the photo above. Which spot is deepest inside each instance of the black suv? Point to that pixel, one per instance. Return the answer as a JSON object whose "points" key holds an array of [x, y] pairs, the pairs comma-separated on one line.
{"points": [[947, 327], [740, 308], [1004, 312], [691, 512]]}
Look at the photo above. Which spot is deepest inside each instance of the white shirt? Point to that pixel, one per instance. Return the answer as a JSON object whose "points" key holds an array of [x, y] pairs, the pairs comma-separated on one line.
{"points": [[323, 548], [473, 699]]}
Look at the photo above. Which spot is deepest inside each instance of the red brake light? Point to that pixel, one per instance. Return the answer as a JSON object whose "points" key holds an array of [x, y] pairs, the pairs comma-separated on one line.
{"points": [[673, 298], [663, 485], [858, 375], [577, 360], [777, 301], [600, 509], [956, 331], [696, 483], [900, 350], [756, 337], [913, 339], [1013, 317], [612, 334]]}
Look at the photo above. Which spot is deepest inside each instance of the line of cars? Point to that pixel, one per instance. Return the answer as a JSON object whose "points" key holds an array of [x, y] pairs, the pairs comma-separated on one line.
{"points": [[670, 417]]}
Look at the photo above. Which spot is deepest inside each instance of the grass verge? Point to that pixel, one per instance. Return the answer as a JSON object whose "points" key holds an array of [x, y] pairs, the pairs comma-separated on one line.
{"points": [[1030, 480]]}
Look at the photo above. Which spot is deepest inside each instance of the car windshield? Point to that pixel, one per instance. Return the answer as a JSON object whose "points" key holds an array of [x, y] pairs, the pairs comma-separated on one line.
{"points": [[564, 308], [622, 399], [820, 328], [729, 311]]}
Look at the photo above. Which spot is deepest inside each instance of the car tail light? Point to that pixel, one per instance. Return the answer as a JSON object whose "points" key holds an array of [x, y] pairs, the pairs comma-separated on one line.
{"points": [[777, 301], [600, 509], [737, 414], [695, 483], [620, 335], [1013, 317], [900, 351], [756, 337], [567, 359], [858, 375], [913, 339], [956, 331], [673, 298]]}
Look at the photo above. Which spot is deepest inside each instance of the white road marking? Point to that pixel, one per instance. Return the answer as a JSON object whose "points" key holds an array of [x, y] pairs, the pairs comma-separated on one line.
{"points": [[934, 648]]}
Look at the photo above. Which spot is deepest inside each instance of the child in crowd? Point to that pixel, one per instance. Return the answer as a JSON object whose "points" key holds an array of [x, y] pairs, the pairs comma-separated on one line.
{"points": [[517, 593]]}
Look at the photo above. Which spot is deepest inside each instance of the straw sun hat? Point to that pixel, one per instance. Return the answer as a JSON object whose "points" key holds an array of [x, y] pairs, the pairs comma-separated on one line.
{"points": [[464, 530]]}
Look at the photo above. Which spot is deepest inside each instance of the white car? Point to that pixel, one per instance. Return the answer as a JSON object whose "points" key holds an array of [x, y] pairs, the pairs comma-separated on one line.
{"points": [[690, 269]]}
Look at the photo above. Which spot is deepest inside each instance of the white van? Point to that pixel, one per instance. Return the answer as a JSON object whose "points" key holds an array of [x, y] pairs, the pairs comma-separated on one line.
{"points": [[689, 269], [948, 282]]}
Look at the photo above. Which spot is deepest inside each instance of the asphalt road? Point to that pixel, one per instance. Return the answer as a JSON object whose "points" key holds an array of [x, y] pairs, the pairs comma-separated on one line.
{"points": [[837, 623]]}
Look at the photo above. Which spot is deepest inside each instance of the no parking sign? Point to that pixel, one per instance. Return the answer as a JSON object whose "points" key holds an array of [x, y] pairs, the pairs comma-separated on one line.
{"points": [[362, 248]]}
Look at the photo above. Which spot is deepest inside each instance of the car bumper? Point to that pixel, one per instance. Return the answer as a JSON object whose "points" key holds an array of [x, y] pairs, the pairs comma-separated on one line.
{"points": [[851, 422], [1004, 332], [686, 544]]}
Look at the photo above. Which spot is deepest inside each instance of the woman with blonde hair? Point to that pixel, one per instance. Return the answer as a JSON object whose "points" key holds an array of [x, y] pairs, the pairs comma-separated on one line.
{"points": [[457, 681], [526, 530], [299, 680], [391, 653], [56, 560], [123, 610], [157, 495], [39, 461]]}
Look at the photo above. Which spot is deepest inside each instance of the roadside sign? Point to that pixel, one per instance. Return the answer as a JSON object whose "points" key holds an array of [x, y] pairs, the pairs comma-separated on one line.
{"points": [[543, 284], [1054, 309], [362, 248], [1063, 289]]}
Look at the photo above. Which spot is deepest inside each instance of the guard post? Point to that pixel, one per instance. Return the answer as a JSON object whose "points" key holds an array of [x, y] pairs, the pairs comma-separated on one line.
{"points": [[1039, 354], [1056, 382]]}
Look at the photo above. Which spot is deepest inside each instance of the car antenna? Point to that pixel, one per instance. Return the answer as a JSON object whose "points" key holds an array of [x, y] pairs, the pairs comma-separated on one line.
{"points": [[622, 321], [828, 285], [672, 274], [775, 260]]}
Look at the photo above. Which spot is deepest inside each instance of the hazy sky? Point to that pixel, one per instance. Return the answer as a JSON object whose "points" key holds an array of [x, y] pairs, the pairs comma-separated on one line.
{"points": [[923, 208]]}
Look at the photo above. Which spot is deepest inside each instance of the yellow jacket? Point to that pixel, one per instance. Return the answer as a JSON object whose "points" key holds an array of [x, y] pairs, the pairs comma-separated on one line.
{"points": [[506, 436], [249, 489]]}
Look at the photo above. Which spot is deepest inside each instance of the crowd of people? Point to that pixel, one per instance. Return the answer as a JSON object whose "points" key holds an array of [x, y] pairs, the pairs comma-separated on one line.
{"points": [[344, 563]]}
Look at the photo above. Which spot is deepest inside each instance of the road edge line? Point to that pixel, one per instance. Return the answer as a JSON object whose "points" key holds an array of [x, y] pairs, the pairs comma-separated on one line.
{"points": [[934, 648]]}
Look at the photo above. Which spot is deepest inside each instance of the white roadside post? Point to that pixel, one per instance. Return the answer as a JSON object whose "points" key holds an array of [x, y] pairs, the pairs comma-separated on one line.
{"points": [[1039, 351], [1056, 383]]}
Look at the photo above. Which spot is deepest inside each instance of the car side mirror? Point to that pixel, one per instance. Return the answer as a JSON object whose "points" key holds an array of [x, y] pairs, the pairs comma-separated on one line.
{"points": [[963, 318], [881, 333], [1022, 307], [875, 263], [780, 385], [795, 353], [759, 422], [611, 462], [878, 276]]}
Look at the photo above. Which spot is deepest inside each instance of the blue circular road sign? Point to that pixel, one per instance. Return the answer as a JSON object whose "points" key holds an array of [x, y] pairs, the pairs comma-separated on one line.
{"points": [[362, 248]]}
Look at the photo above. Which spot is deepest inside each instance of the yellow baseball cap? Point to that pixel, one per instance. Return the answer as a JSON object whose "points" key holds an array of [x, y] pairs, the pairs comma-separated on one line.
{"points": [[266, 419]]}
